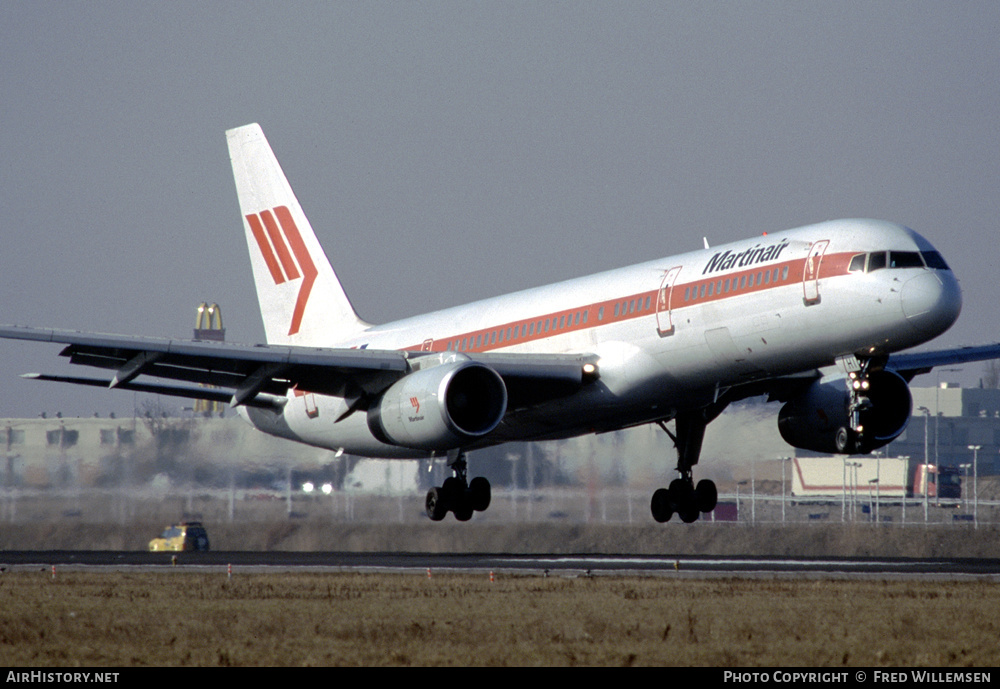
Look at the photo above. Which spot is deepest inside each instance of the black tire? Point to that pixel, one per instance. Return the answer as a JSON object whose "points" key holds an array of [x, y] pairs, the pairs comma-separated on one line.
{"points": [[842, 440], [706, 495], [463, 512], [452, 489], [681, 494], [684, 501], [689, 516], [660, 505], [435, 506], [480, 494]]}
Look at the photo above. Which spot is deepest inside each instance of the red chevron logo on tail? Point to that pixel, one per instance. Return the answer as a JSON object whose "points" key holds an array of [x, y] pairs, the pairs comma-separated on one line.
{"points": [[285, 254]]}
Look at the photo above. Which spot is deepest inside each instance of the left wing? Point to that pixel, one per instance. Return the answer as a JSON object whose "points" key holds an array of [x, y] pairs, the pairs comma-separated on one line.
{"points": [[261, 375]]}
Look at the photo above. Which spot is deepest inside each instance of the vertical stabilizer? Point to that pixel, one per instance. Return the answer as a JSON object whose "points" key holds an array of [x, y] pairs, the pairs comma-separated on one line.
{"points": [[301, 299]]}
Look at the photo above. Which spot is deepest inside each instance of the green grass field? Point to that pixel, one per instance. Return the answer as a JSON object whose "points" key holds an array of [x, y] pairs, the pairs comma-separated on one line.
{"points": [[179, 618]]}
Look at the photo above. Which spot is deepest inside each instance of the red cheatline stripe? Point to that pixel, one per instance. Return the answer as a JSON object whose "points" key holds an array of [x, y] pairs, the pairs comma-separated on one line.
{"points": [[832, 265], [265, 248], [279, 245], [305, 262]]}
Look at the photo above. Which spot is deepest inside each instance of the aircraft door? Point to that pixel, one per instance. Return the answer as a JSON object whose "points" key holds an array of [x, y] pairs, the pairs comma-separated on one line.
{"points": [[664, 322], [810, 274]]}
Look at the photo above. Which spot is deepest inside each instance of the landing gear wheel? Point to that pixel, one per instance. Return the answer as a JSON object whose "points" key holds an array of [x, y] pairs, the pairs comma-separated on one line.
{"points": [[683, 496], [463, 510], [435, 505], [842, 440], [706, 495], [661, 506], [452, 489], [480, 493], [457, 495], [681, 493]]}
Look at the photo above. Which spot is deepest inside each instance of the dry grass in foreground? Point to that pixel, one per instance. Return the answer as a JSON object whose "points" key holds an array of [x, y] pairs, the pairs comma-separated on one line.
{"points": [[175, 618]]}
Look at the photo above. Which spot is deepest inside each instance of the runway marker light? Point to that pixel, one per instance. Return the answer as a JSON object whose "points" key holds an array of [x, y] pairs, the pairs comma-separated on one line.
{"points": [[428, 572], [491, 577]]}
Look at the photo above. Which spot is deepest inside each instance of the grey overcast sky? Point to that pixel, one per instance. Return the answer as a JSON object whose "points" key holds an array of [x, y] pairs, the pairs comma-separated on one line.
{"points": [[449, 151]]}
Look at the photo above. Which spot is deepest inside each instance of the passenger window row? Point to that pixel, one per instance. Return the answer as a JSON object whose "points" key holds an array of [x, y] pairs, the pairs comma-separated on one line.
{"points": [[736, 283], [519, 331]]}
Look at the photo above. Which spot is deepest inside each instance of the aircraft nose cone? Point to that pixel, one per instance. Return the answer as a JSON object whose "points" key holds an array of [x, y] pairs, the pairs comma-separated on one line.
{"points": [[931, 301]]}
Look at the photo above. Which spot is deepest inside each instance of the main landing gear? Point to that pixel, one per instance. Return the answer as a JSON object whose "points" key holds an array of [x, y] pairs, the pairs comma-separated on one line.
{"points": [[458, 495], [683, 497]]}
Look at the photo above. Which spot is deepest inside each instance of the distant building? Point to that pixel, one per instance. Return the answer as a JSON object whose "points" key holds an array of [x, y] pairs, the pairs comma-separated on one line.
{"points": [[953, 418], [95, 451], [953, 401], [68, 452]]}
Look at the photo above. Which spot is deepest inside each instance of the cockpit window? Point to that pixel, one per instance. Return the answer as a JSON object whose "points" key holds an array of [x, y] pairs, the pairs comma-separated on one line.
{"points": [[905, 259], [876, 260], [934, 260], [897, 259]]}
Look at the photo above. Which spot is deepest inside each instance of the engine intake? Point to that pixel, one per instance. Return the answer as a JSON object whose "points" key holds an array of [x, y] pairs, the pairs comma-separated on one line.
{"points": [[819, 418], [440, 408]]}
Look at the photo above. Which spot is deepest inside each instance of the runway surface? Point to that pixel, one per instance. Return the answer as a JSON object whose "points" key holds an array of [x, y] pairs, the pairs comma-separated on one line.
{"points": [[563, 565]]}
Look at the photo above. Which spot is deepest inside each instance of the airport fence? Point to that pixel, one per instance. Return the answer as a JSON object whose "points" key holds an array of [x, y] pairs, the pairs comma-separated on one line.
{"points": [[616, 505]]}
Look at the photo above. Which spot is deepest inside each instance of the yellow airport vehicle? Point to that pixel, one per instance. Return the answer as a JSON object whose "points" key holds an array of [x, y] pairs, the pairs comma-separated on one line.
{"points": [[182, 536]]}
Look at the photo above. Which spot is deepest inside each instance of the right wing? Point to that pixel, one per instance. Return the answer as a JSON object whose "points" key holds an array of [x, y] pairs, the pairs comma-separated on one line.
{"points": [[910, 364]]}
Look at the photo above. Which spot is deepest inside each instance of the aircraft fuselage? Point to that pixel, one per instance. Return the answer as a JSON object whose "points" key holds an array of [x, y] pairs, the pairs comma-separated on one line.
{"points": [[671, 333]]}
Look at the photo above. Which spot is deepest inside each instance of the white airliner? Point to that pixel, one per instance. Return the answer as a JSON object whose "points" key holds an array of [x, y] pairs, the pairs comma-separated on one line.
{"points": [[812, 317]]}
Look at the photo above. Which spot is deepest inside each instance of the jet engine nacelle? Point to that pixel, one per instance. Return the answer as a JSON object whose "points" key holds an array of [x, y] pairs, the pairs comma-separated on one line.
{"points": [[440, 408], [820, 419]]}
